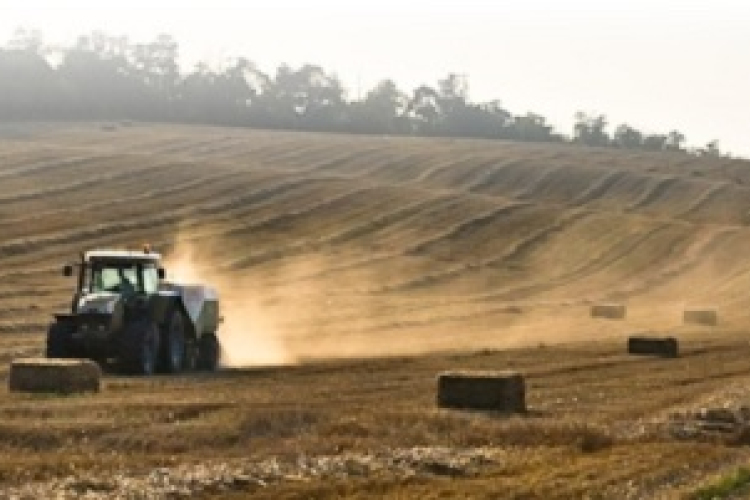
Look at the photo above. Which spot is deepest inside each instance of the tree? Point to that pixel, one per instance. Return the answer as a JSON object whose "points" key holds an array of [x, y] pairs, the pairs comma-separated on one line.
{"points": [[222, 96], [305, 98], [655, 142], [627, 137], [674, 141], [711, 149], [424, 108], [98, 80], [155, 65], [532, 127], [381, 111], [29, 86], [107, 77], [452, 94], [590, 130]]}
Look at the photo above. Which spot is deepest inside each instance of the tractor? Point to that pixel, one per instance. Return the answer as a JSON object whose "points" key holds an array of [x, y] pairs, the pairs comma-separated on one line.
{"points": [[124, 312]]}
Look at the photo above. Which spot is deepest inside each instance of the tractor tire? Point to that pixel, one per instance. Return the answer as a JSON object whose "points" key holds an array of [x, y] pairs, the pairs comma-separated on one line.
{"points": [[173, 344], [208, 353], [190, 363], [60, 341], [138, 350]]}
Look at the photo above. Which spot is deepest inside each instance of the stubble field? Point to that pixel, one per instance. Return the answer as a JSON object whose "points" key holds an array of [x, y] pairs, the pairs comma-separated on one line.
{"points": [[352, 271]]}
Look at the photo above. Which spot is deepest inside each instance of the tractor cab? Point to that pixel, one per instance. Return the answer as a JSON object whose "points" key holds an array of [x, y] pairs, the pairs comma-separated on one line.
{"points": [[116, 272]]}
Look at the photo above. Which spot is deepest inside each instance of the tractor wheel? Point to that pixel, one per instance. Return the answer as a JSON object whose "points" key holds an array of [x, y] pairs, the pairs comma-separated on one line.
{"points": [[59, 341], [190, 363], [139, 348], [173, 349], [208, 352]]}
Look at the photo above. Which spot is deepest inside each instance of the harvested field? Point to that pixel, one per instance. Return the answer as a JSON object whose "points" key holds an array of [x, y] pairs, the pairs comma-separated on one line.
{"points": [[353, 271]]}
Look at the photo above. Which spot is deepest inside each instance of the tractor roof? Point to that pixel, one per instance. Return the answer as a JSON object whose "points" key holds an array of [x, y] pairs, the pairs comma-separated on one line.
{"points": [[120, 255]]}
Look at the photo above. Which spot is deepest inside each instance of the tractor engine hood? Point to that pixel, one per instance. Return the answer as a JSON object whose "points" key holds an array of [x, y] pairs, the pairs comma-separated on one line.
{"points": [[99, 303]]}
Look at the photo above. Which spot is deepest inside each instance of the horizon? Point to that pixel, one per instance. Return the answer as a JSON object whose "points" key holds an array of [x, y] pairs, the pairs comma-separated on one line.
{"points": [[684, 70]]}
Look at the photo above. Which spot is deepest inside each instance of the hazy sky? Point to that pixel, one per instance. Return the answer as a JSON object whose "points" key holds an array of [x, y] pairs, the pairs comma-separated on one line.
{"points": [[657, 64]]}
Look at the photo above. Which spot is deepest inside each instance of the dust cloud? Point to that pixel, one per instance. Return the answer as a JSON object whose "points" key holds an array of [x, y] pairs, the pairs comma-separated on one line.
{"points": [[295, 310], [248, 335]]}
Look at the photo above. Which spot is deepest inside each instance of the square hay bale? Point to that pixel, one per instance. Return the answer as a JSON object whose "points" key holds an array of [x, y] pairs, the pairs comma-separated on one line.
{"points": [[482, 390], [65, 376], [608, 311], [706, 317], [666, 347]]}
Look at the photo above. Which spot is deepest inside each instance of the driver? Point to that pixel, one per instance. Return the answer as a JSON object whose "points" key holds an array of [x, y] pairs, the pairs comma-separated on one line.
{"points": [[126, 287]]}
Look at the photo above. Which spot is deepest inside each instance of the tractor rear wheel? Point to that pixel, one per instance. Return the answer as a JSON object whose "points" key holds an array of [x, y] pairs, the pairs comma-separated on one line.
{"points": [[139, 348], [190, 363], [173, 344], [208, 352]]}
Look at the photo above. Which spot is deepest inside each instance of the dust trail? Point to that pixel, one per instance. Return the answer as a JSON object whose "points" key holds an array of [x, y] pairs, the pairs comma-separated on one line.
{"points": [[248, 335], [315, 306]]}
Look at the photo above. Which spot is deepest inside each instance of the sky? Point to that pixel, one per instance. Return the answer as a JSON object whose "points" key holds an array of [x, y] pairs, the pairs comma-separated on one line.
{"points": [[656, 65]]}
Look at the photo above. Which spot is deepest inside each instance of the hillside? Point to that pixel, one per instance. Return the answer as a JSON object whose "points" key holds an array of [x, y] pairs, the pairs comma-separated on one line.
{"points": [[437, 254], [336, 240]]}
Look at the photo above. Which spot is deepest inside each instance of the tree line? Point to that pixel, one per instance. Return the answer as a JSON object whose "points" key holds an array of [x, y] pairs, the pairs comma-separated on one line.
{"points": [[108, 77]]}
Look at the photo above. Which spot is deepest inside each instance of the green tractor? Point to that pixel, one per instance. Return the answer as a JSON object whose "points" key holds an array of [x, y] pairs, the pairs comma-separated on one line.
{"points": [[124, 312]]}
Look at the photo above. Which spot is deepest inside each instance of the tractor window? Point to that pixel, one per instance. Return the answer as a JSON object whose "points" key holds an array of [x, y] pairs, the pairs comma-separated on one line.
{"points": [[115, 278], [150, 279], [106, 279], [124, 277]]}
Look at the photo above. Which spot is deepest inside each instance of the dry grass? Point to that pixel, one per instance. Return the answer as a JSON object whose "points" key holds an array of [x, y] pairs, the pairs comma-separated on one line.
{"points": [[438, 255], [580, 424]]}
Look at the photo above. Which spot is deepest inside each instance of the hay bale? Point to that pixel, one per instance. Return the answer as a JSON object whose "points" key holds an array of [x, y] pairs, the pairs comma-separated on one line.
{"points": [[608, 311], [706, 317], [666, 347], [64, 376], [497, 391]]}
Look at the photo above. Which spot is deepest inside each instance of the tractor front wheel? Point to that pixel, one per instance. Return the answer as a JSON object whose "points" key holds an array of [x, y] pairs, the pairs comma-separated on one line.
{"points": [[59, 341]]}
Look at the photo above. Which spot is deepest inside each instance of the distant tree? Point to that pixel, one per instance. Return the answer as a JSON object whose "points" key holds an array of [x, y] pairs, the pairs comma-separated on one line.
{"points": [[711, 150], [452, 95], [156, 66], [499, 116], [97, 79], [215, 96], [655, 142], [675, 139], [382, 110], [224, 95], [627, 137], [424, 108], [103, 77], [304, 98], [590, 130], [29, 86], [533, 127], [460, 118]]}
